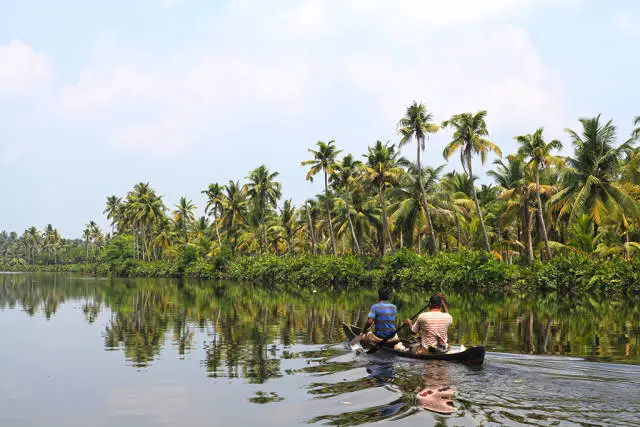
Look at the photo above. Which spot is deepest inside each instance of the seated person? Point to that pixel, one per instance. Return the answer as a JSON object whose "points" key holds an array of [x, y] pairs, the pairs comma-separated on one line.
{"points": [[383, 316], [432, 327]]}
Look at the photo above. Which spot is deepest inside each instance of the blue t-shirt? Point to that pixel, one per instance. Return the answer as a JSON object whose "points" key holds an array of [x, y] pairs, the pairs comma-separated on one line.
{"points": [[384, 316]]}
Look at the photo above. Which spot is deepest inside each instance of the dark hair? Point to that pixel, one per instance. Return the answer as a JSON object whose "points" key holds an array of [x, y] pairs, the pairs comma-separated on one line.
{"points": [[383, 294], [435, 301]]}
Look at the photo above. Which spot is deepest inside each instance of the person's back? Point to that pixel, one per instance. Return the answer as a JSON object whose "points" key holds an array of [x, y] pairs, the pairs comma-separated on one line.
{"points": [[433, 326], [382, 316]]}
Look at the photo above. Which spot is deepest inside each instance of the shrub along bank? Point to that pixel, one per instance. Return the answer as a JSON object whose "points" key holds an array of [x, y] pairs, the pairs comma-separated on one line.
{"points": [[465, 270]]}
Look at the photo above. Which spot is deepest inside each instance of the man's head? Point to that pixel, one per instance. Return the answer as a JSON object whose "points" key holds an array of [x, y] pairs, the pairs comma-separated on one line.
{"points": [[383, 294], [435, 301]]}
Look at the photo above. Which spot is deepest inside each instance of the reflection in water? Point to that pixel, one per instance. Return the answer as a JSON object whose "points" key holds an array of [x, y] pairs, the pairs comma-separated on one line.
{"points": [[259, 335]]}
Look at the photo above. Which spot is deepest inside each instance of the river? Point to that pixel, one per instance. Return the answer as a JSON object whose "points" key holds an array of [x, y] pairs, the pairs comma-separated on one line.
{"points": [[81, 351]]}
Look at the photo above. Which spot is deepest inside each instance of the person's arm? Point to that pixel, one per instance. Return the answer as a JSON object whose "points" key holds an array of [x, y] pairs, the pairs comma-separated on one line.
{"points": [[367, 325], [444, 302]]}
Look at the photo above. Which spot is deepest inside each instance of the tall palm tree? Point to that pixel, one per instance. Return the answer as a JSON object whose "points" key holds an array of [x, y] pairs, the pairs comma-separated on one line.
{"points": [[591, 185], [515, 191], [410, 209], [342, 180], [636, 131], [184, 214], [539, 153], [234, 203], [324, 159], [383, 168], [416, 125], [265, 192], [214, 205], [469, 135], [114, 211]]}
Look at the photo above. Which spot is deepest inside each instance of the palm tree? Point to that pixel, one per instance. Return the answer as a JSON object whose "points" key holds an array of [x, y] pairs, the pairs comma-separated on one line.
{"points": [[410, 208], [636, 131], [416, 125], [383, 169], [591, 185], [342, 180], [539, 153], [214, 205], [265, 192], [288, 221], [114, 211], [184, 214], [234, 203], [515, 191], [324, 159], [468, 137]]}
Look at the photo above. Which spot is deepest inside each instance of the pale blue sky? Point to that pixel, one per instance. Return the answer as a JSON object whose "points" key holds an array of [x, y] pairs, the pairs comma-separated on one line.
{"points": [[96, 96]]}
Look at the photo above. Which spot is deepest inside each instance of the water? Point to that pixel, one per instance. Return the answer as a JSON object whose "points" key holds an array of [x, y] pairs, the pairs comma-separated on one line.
{"points": [[80, 351]]}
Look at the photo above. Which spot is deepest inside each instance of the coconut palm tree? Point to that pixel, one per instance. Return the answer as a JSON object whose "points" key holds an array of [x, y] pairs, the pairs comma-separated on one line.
{"points": [[539, 153], [591, 183], [114, 212], [342, 180], [264, 192], [416, 125], [410, 210], [516, 192], [383, 169], [636, 131], [469, 135], [184, 214], [214, 205], [324, 159], [234, 204]]}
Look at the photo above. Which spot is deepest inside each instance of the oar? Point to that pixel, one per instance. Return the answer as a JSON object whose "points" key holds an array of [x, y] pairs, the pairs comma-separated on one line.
{"points": [[376, 347]]}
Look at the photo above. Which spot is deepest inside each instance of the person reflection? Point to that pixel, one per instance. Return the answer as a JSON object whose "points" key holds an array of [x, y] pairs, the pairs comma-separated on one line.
{"points": [[437, 394]]}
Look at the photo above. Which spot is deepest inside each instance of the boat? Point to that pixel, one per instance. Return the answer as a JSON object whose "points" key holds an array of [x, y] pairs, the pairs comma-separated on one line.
{"points": [[469, 355]]}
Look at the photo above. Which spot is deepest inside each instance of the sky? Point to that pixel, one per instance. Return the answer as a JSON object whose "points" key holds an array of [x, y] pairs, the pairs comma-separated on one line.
{"points": [[98, 96]]}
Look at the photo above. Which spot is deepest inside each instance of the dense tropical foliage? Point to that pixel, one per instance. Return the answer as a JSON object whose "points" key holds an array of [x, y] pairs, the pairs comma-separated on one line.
{"points": [[542, 205]]}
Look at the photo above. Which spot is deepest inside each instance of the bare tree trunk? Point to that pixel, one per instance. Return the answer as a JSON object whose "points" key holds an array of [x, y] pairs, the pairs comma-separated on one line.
{"points": [[479, 212], [626, 244], [311, 230], [541, 217], [432, 233], [215, 221], [326, 192], [385, 222], [353, 231]]}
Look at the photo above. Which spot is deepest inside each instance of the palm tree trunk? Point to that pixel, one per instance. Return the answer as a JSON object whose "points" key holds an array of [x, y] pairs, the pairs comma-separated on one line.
{"points": [[432, 233], [458, 231], [626, 244], [326, 192], [385, 222], [475, 199], [353, 231], [215, 221], [526, 226], [541, 217], [311, 231]]}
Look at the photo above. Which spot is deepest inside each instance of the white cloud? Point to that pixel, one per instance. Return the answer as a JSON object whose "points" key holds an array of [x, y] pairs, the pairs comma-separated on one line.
{"points": [[498, 70], [281, 58], [628, 23], [21, 68]]}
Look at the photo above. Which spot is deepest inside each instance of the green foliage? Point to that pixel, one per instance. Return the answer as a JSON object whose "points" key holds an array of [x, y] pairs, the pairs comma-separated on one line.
{"points": [[120, 248]]}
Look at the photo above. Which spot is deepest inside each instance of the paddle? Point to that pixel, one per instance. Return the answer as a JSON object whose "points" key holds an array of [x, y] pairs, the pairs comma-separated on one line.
{"points": [[377, 346]]}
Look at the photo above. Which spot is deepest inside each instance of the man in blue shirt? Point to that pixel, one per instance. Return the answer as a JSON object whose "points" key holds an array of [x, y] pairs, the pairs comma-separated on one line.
{"points": [[383, 316]]}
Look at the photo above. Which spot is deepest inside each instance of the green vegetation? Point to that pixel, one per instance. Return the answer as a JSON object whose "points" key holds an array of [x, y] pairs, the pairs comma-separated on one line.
{"points": [[550, 221]]}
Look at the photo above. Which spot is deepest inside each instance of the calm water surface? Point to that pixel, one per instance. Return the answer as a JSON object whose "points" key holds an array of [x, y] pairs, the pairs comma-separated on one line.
{"points": [[80, 351]]}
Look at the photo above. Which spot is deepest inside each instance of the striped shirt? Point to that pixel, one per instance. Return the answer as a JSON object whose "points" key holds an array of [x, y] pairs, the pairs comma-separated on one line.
{"points": [[432, 326], [384, 316]]}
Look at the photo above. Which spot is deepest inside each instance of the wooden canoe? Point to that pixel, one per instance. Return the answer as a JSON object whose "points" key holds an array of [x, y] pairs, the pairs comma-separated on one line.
{"points": [[471, 355]]}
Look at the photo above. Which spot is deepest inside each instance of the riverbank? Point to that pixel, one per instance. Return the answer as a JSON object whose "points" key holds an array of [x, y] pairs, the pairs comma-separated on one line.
{"points": [[462, 271]]}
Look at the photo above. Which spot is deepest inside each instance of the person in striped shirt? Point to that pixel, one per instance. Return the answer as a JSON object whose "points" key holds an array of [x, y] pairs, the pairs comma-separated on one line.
{"points": [[432, 327], [383, 317]]}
